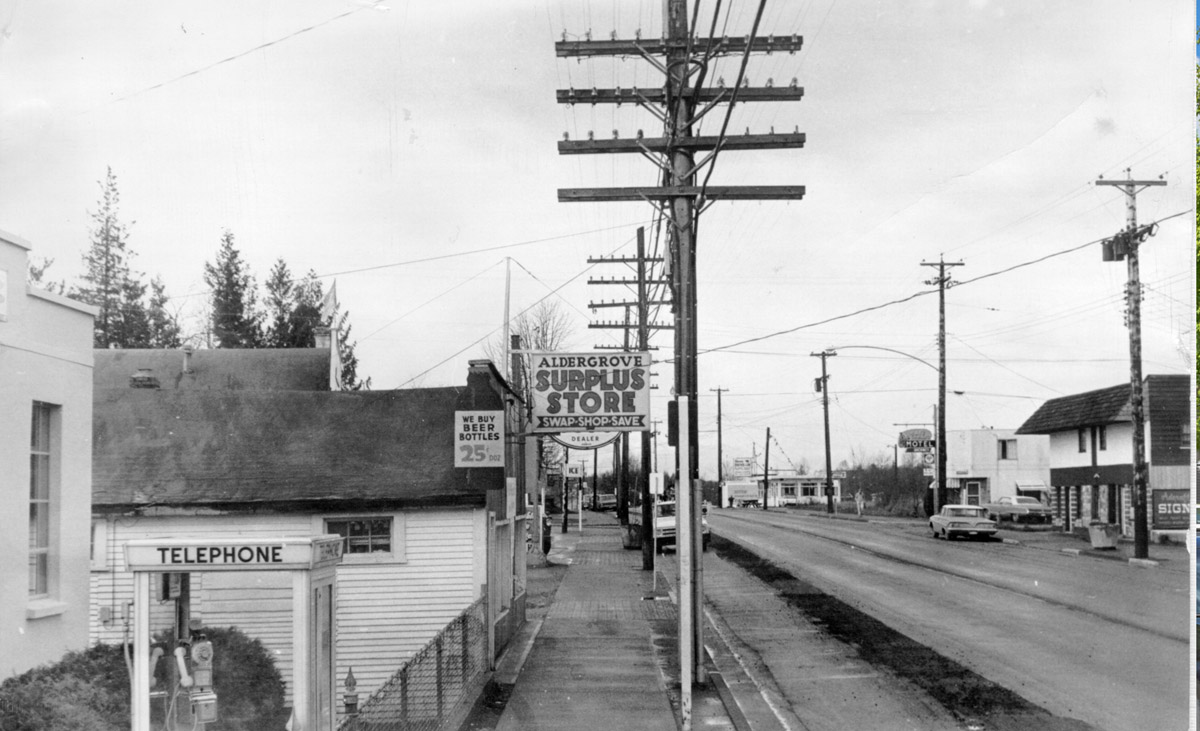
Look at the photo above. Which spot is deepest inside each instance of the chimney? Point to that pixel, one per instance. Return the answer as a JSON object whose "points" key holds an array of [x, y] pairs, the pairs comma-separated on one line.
{"points": [[321, 337], [187, 358], [144, 378]]}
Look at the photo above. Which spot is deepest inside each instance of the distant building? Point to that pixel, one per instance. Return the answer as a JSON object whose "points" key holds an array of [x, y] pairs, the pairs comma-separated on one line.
{"points": [[985, 464], [251, 442], [1091, 448], [784, 488], [46, 453]]}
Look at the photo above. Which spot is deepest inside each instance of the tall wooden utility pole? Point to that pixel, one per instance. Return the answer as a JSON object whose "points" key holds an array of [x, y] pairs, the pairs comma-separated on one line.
{"points": [[680, 103], [767, 470], [720, 451], [824, 388], [640, 326], [1125, 245], [942, 281]]}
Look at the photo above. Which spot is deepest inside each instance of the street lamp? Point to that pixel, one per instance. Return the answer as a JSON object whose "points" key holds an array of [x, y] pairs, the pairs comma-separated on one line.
{"points": [[939, 419]]}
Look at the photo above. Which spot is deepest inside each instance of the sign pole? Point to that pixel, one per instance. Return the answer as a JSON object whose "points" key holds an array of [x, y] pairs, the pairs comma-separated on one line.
{"points": [[683, 544]]}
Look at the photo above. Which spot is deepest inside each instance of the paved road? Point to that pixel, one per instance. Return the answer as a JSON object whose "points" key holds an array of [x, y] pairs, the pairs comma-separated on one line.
{"points": [[1101, 641]]}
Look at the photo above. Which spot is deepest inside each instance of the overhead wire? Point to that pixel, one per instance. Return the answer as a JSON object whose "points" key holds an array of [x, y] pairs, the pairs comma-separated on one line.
{"points": [[915, 295]]}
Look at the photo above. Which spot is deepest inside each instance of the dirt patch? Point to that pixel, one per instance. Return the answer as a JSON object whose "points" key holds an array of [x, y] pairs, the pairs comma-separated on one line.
{"points": [[976, 701]]}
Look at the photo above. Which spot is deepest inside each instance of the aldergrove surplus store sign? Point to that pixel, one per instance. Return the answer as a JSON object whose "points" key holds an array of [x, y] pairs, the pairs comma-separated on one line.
{"points": [[590, 391]]}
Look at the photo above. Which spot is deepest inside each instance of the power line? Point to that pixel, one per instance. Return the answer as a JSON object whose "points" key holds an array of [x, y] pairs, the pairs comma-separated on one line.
{"points": [[915, 295], [243, 54], [449, 256]]}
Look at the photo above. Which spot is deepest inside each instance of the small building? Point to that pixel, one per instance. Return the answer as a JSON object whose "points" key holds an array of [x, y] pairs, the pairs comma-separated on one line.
{"points": [[783, 488], [45, 448], [985, 464], [1091, 449], [204, 444]]}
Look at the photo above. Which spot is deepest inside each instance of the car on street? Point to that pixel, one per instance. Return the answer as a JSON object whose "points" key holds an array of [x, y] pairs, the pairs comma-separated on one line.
{"points": [[664, 526], [1020, 509], [970, 521], [606, 501]]}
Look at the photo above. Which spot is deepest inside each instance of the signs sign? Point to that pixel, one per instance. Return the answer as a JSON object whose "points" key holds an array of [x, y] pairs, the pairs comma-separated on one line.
{"points": [[575, 471], [916, 440], [232, 554], [586, 439], [478, 438], [590, 391], [743, 467], [1172, 509]]}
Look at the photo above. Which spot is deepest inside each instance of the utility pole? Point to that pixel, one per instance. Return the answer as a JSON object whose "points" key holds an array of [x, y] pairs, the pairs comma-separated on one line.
{"points": [[507, 290], [942, 281], [720, 455], [641, 327], [680, 103], [823, 387], [1125, 245], [767, 470]]}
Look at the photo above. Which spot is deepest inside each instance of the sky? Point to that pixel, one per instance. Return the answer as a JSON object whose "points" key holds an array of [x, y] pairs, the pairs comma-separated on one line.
{"points": [[406, 149]]}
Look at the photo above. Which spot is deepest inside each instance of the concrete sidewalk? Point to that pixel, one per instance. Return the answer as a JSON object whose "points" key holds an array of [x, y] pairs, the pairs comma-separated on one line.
{"points": [[606, 654]]}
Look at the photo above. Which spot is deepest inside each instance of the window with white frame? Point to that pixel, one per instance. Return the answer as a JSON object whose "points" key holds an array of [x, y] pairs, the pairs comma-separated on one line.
{"points": [[972, 493], [1006, 449], [41, 483], [371, 534], [1083, 440], [1102, 438], [367, 538]]}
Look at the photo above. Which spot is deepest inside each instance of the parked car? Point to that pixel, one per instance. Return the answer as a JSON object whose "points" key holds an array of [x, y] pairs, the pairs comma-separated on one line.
{"points": [[962, 520], [664, 526], [1019, 510], [606, 502]]}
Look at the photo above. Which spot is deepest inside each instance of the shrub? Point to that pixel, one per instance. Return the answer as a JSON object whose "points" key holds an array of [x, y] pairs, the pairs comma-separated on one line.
{"points": [[88, 690]]}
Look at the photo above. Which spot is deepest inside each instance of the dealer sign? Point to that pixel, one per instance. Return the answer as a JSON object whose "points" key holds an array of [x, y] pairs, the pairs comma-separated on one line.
{"points": [[590, 391]]}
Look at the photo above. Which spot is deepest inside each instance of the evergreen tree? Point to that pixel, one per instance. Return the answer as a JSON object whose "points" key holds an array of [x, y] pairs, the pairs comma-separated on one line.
{"points": [[107, 282], [36, 276], [235, 318], [163, 324], [349, 360], [279, 304]]}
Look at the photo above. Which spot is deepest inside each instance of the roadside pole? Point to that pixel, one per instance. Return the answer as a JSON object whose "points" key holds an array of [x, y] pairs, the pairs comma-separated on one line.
{"points": [[683, 543]]}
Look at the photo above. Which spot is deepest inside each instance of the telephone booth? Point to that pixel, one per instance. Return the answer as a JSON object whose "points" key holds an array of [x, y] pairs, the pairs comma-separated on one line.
{"points": [[312, 563]]}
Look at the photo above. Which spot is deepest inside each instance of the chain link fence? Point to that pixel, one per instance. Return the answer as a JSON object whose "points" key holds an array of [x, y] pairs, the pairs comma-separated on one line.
{"points": [[426, 689]]}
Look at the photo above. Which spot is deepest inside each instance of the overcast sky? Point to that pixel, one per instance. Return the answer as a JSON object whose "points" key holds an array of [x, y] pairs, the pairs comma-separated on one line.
{"points": [[407, 148]]}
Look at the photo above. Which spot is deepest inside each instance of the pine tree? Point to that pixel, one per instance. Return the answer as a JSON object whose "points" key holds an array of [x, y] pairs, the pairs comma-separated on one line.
{"points": [[163, 324], [235, 318], [349, 360], [280, 304], [107, 282]]}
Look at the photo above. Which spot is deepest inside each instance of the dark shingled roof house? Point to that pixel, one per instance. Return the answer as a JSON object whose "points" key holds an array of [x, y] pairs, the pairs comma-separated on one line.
{"points": [[252, 442]]}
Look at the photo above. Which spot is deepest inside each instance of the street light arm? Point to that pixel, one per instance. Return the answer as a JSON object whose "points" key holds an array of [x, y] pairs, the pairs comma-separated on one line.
{"points": [[890, 350]]}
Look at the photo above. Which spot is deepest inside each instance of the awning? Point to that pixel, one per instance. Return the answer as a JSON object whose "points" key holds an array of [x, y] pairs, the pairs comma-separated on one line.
{"points": [[1031, 486]]}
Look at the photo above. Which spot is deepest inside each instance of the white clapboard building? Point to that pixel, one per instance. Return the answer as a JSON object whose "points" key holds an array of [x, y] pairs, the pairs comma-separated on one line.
{"points": [[235, 443]]}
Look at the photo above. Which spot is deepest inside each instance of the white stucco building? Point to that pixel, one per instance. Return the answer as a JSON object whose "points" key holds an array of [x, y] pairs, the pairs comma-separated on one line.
{"points": [[46, 453]]}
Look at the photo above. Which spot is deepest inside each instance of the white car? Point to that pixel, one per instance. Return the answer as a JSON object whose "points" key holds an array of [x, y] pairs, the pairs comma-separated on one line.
{"points": [[664, 526], [962, 520]]}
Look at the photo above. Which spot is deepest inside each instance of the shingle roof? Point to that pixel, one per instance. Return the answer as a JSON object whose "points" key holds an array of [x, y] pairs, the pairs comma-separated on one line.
{"points": [[265, 369], [1092, 408], [226, 448]]}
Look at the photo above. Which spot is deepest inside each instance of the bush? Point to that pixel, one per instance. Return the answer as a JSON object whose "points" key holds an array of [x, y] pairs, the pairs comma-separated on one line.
{"points": [[89, 690]]}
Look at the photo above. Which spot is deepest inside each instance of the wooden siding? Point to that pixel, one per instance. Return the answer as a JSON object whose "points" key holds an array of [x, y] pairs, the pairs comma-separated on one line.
{"points": [[386, 611]]}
